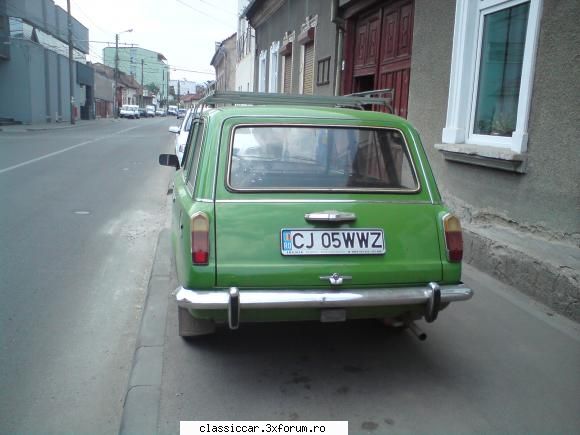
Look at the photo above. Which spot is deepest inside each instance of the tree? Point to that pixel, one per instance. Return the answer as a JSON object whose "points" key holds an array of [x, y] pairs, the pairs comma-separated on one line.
{"points": [[153, 88]]}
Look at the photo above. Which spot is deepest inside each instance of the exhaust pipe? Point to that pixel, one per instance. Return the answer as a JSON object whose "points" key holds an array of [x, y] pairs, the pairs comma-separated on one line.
{"points": [[417, 332]]}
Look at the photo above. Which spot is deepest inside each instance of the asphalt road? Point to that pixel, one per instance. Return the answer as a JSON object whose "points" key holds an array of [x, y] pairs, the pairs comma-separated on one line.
{"points": [[79, 221], [499, 363]]}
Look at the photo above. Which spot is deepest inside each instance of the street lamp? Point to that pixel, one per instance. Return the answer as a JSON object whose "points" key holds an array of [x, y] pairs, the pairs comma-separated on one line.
{"points": [[117, 68]]}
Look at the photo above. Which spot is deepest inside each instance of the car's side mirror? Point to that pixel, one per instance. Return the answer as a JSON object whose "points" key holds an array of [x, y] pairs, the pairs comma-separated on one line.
{"points": [[174, 129], [169, 160]]}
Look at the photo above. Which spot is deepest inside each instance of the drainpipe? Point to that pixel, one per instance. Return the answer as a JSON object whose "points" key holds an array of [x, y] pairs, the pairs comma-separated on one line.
{"points": [[339, 22]]}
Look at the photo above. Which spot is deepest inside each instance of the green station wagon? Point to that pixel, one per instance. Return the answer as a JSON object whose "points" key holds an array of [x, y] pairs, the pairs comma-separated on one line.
{"points": [[301, 208]]}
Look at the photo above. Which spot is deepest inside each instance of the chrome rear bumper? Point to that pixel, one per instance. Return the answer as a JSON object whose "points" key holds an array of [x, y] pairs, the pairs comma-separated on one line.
{"points": [[233, 300]]}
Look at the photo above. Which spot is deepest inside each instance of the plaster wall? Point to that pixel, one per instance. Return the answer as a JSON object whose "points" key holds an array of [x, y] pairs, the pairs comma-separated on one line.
{"points": [[52, 88], [245, 72], [546, 198], [103, 87], [289, 18], [229, 63], [37, 83], [15, 98], [38, 90]]}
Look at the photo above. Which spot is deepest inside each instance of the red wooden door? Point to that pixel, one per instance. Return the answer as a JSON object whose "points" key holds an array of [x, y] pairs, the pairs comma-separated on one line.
{"points": [[379, 50], [368, 32], [395, 61]]}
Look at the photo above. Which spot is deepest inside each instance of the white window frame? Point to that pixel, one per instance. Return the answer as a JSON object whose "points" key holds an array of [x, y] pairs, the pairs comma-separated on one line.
{"points": [[467, 36], [274, 62], [262, 70], [301, 75]]}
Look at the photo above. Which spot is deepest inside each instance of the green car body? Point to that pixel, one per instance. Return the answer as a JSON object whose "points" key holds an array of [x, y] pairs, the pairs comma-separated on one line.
{"points": [[246, 273]]}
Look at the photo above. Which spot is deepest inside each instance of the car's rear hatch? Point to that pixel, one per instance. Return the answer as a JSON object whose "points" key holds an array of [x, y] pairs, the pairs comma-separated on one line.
{"points": [[295, 215], [249, 244]]}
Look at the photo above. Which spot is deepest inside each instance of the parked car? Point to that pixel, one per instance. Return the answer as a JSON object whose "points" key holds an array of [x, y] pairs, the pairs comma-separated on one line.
{"points": [[292, 210], [160, 112], [172, 110], [150, 111], [181, 113], [142, 112], [181, 133], [129, 111]]}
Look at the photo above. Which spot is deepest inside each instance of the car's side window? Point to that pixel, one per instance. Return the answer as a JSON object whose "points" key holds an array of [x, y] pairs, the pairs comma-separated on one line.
{"points": [[186, 154], [194, 151]]}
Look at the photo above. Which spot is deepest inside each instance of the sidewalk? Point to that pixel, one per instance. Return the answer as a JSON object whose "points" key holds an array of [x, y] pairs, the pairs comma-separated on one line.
{"points": [[546, 270], [21, 128]]}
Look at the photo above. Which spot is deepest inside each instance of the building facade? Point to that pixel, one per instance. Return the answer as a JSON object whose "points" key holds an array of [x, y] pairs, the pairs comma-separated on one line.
{"points": [[295, 46], [224, 62], [34, 66], [145, 66], [245, 46], [492, 87]]}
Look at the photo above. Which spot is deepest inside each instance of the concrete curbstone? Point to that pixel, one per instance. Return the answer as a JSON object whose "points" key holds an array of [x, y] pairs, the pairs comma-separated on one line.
{"points": [[141, 406], [537, 274]]}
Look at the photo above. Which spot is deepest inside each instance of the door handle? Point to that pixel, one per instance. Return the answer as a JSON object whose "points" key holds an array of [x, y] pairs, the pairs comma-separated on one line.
{"points": [[330, 216]]}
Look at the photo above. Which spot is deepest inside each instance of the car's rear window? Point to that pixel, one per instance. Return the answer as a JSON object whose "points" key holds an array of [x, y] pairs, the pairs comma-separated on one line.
{"points": [[320, 158]]}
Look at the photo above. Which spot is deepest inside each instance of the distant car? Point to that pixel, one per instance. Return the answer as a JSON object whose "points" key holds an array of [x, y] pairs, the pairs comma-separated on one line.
{"points": [[172, 110], [160, 112], [129, 111], [150, 110], [309, 211], [181, 113], [142, 112], [181, 133]]}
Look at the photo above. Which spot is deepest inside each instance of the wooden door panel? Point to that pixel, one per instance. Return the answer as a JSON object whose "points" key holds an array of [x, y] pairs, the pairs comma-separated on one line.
{"points": [[399, 81], [362, 33], [390, 36], [374, 29], [405, 31]]}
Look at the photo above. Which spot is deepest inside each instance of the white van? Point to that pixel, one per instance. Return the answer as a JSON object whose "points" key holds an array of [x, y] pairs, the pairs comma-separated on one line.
{"points": [[129, 111]]}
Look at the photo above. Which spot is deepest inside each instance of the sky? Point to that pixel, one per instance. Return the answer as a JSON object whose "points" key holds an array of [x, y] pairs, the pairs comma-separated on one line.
{"points": [[184, 31]]}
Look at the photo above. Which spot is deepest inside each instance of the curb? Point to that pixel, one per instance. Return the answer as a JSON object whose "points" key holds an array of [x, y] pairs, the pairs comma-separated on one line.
{"points": [[547, 275], [141, 405]]}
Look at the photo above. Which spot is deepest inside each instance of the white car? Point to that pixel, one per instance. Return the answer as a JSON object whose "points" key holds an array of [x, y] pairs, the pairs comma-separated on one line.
{"points": [[181, 133], [150, 110], [129, 111]]}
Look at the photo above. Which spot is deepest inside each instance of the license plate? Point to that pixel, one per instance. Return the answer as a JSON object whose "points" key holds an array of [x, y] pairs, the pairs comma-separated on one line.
{"points": [[361, 241]]}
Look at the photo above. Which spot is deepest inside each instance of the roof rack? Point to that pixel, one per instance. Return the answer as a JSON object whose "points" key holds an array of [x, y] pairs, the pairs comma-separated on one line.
{"points": [[358, 101]]}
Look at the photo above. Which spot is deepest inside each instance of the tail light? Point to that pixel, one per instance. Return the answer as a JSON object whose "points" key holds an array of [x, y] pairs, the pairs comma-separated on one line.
{"points": [[200, 239], [453, 238]]}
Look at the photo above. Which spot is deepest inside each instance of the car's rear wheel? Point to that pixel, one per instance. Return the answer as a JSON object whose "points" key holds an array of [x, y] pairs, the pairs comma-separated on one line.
{"points": [[189, 326]]}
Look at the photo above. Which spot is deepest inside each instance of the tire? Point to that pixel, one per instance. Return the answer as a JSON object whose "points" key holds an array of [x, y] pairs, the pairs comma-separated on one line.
{"points": [[189, 326]]}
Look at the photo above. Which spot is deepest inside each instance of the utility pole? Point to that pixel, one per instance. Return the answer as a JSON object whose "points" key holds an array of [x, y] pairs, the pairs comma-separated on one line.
{"points": [[178, 94], [117, 69], [115, 109], [70, 64], [142, 83]]}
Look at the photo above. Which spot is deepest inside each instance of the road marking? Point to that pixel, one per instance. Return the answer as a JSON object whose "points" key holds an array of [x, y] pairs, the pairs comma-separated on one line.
{"points": [[64, 150]]}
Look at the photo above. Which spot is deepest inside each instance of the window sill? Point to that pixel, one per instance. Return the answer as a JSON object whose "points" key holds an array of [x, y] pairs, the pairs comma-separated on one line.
{"points": [[490, 157]]}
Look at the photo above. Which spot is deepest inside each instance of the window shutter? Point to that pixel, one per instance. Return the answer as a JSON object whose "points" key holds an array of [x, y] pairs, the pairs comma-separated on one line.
{"points": [[287, 74], [309, 68]]}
